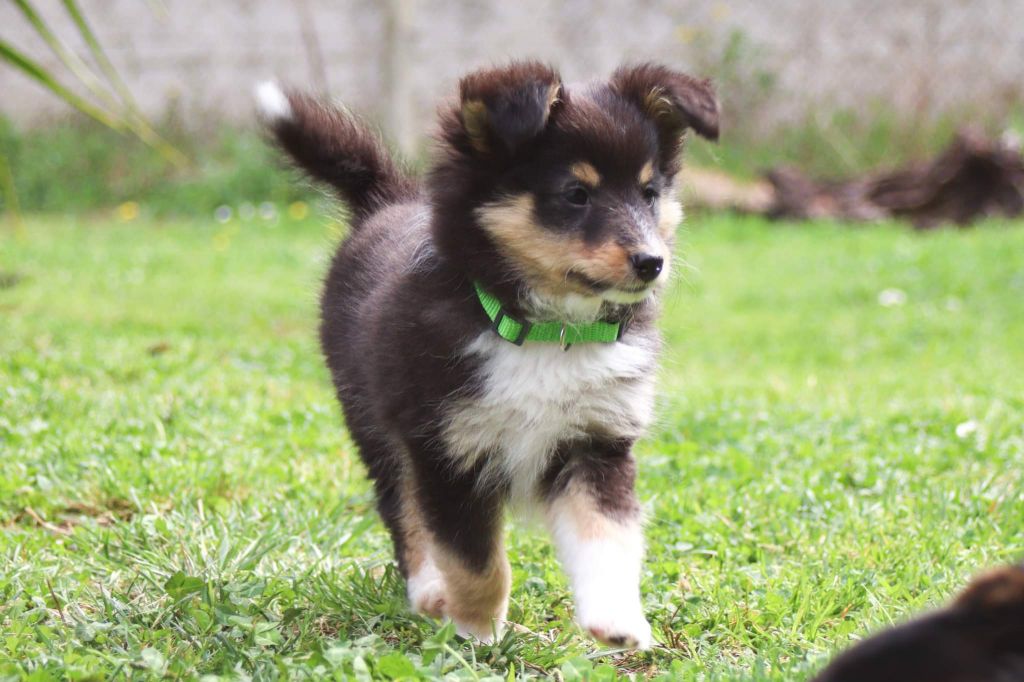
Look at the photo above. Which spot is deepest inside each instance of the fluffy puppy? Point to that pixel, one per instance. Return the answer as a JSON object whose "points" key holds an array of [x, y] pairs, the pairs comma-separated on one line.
{"points": [[979, 638], [554, 204]]}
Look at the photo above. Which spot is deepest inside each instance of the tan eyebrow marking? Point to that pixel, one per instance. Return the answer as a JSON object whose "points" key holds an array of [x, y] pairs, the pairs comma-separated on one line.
{"points": [[646, 173], [586, 173]]}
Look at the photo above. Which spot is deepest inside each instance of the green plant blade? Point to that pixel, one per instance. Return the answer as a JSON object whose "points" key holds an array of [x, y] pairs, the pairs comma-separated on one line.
{"points": [[67, 56], [124, 104], [99, 54], [33, 70], [136, 120]]}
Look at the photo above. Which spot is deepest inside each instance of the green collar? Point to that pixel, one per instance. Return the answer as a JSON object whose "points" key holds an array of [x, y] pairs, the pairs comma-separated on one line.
{"points": [[563, 333]]}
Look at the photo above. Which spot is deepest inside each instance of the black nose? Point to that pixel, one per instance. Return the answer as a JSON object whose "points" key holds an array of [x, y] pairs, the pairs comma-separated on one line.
{"points": [[646, 266]]}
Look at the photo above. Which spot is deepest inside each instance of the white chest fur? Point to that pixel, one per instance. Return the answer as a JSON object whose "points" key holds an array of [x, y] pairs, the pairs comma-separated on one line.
{"points": [[535, 396]]}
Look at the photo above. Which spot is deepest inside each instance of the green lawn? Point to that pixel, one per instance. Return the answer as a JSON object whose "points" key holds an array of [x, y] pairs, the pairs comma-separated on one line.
{"points": [[178, 498]]}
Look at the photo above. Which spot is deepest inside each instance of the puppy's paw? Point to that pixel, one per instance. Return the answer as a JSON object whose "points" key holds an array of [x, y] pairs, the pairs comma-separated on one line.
{"points": [[427, 594], [429, 600], [618, 628], [482, 633]]}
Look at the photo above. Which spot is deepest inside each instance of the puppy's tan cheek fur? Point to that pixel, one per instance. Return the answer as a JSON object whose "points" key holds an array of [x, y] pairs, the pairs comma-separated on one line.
{"points": [[539, 254], [670, 215], [607, 264], [544, 257]]}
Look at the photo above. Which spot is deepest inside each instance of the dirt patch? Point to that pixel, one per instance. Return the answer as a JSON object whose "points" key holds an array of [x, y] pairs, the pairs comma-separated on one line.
{"points": [[109, 512]]}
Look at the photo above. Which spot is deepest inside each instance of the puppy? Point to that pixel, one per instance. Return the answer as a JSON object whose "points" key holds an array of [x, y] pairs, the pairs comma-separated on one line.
{"points": [[489, 329], [979, 638]]}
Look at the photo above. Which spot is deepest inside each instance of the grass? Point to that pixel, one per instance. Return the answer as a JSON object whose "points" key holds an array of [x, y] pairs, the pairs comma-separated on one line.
{"points": [[178, 498], [73, 167]]}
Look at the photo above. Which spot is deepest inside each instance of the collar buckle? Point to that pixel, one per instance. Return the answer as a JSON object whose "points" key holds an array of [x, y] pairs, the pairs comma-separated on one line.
{"points": [[561, 338], [524, 327]]}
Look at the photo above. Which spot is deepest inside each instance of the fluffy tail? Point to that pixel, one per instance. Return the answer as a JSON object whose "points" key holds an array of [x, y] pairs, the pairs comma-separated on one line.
{"points": [[334, 147]]}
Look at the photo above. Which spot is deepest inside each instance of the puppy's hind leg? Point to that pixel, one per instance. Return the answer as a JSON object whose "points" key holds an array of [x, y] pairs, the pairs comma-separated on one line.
{"points": [[399, 510], [425, 585], [594, 519], [466, 544]]}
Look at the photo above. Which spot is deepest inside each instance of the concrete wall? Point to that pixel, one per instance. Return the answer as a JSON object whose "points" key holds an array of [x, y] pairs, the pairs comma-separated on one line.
{"points": [[394, 59]]}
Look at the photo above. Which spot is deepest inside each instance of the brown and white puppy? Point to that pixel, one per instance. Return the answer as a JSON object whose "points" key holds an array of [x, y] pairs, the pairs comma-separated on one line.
{"points": [[558, 201], [979, 638]]}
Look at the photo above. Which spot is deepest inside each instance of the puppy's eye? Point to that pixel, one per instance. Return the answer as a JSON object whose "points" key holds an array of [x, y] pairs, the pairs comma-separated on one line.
{"points": [[577, 196], [651, 194]]}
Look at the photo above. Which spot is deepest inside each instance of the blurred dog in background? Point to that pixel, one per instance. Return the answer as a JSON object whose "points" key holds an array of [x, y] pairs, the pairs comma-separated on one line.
{"points": [[979, 638]]}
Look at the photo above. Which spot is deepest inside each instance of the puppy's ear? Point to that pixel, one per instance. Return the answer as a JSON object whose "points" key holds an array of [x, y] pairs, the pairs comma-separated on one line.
{"points": [[503, 108], [673, 100]]}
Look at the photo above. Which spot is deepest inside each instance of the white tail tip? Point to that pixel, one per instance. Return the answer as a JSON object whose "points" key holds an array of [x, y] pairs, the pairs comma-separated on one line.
{"points": [[273, 104]]}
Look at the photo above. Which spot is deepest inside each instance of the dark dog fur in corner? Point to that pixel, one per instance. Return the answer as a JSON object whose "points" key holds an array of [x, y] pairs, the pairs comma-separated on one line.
{"points": [[979, 638], [558, 202]]}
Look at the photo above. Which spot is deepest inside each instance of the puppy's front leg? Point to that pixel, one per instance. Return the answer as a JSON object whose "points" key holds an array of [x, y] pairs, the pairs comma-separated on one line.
{"points": [[595, 521]]}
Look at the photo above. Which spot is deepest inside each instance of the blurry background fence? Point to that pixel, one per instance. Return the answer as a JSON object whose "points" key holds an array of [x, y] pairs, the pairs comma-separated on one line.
{"points": [[778, 62], [835, 88]]}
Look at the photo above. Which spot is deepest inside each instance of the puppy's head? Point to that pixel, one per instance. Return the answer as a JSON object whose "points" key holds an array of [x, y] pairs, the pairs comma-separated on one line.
{"points": [[567, 191]]}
